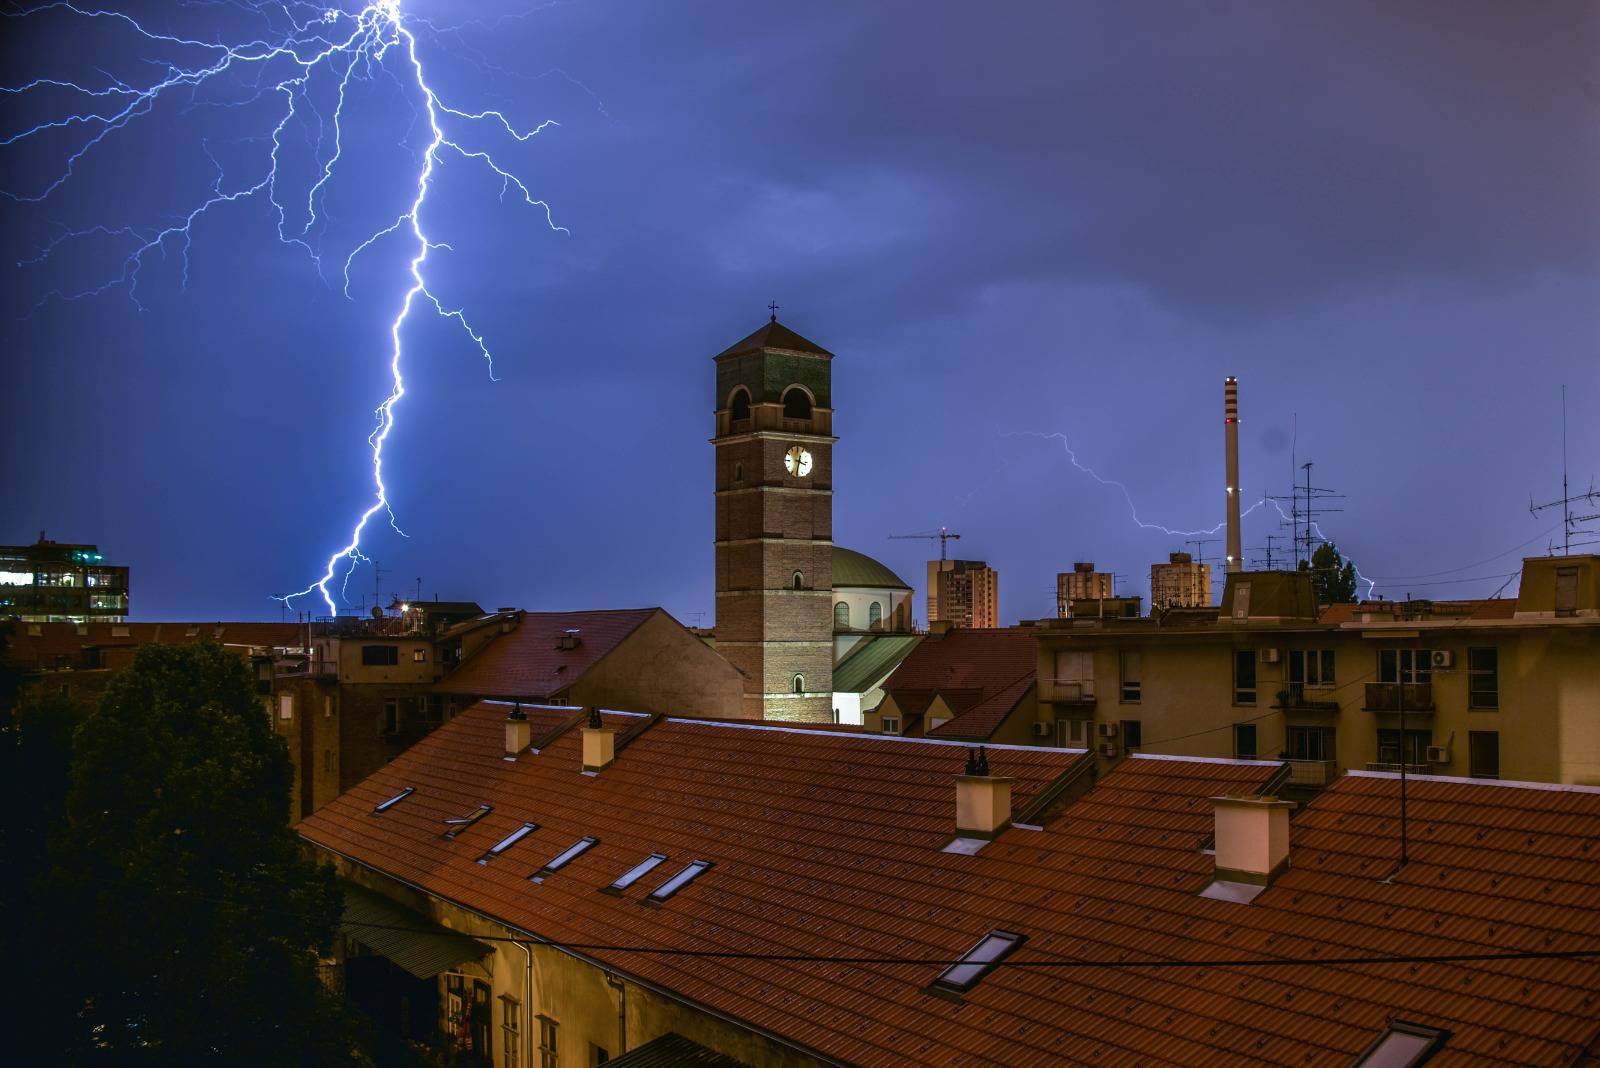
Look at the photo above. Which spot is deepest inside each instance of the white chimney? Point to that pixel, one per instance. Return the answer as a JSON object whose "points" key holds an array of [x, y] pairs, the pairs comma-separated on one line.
{"points": [[599, 744], [983, 801], [1252, 838], [519, 732]]}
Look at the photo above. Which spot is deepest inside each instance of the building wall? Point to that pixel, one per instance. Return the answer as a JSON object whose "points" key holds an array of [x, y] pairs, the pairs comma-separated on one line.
{"points": [[965, 593], [578, 995], [1082, 582], [1180, 584], [894, 602]]}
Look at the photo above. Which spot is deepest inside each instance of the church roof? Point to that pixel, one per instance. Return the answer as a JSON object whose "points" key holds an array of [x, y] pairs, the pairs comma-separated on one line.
{"points": [[773, 335], [851, 568]]}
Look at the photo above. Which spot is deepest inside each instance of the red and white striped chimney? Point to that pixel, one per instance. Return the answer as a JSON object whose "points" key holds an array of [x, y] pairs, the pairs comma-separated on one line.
{"points": [[1230, 422]]}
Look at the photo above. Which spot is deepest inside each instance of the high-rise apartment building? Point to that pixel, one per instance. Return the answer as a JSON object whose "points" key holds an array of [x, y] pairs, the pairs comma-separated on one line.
{"points": [[1180, 583], [1082, 583], [57, 581], [966, 593]]}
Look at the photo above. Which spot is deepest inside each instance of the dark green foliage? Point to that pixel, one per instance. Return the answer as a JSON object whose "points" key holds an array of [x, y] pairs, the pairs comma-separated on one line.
{"points": [[1333, 577], [187, 920]]}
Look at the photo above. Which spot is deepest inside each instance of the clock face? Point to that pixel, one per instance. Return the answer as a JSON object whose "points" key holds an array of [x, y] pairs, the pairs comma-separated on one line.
{"points": [[798, 461]]}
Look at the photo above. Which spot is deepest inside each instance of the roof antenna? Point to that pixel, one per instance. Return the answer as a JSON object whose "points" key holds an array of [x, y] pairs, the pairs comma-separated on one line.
{"points": [[978, 761], [773, 308]]}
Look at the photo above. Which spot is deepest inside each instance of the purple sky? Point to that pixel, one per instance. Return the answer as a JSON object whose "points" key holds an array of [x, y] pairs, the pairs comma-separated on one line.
{"points": [[1013, 221]]}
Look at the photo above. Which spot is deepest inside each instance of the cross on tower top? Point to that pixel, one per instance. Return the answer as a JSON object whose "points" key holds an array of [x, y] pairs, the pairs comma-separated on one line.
{"points": [[773, 307]]}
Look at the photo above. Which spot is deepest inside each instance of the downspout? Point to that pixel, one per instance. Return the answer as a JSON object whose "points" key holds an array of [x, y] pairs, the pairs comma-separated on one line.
{"points": [[621, 986], [526, 1022]]}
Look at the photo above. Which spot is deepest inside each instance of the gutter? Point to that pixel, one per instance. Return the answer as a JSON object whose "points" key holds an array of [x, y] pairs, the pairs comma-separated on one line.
{"points": [[604, 969]]}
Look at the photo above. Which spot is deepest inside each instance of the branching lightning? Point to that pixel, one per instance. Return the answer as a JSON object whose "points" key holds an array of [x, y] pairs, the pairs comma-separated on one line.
{"points": [[300, 43]]}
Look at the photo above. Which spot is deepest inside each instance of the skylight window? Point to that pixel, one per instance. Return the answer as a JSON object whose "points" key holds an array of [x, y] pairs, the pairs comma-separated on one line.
{"points": [[385, 806], [508, 841], [1404, 1045], [572, 852], [461, 823], [978, 961], [677, 882], [637, 872]]}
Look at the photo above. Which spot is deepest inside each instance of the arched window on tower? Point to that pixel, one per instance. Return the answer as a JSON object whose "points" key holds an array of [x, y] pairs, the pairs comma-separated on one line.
{"points": [[799, 581], [799, 684], [738, 472], [875, 616], [796, 403], [739, 404], [841, 616]]}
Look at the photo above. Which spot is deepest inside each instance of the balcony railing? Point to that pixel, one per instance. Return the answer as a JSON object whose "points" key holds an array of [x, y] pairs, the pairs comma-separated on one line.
{"points": [[1067, 691], [1312, 772], [1411, 769], [1298, 698], [1387, 696]]}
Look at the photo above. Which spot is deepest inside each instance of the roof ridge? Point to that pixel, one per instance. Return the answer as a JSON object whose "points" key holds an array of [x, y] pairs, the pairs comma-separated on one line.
{"points": [[1520, 784]]}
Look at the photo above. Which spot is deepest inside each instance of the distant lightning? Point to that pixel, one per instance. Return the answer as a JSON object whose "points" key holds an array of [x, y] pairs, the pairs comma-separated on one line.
{"points": [[349, 46]]}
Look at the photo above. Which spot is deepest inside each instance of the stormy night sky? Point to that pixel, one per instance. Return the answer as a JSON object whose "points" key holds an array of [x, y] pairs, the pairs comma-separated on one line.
{"points": [[1006, 220]]}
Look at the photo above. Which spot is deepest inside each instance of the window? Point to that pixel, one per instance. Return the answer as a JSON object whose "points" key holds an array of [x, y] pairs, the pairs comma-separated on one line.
{"points": [[1483, 754], [799, 684], [738, 472], [1311, 743], [327, 706], [1405, 665], [391, 716], [380, 655], [1073, 733], [637, 872], [739, 406], [1483, 678], [1415, 747], [841, 616], [1244, 741], [1310, 667], [1403, 1045], [979, 961], [384, 806], [799, 580], [508, 841], [547, 1043], [511, 1030], [1241, 601], [874, 616], [1566, 591], [419, 656], [1132, 733], [1244, 677], [1132, 670], [598, 1055], [891, 724], [461, 823], [564, 858], [796, 403], [1074, 679], [286, 706], [677, 882]]}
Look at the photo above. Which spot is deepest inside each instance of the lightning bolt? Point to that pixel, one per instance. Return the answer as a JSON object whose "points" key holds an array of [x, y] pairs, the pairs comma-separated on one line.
{"points": [[299, 43], [1133, 511]]}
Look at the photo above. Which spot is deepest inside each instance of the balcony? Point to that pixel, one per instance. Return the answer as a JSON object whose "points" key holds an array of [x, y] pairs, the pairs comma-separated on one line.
{"points": [[1076, 693], [1387, 697], [1298, 699], [1317, 773]]}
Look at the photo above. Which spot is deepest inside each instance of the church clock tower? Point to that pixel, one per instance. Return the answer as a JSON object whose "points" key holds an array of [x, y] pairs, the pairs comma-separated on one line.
{"points": [[774, 542]]}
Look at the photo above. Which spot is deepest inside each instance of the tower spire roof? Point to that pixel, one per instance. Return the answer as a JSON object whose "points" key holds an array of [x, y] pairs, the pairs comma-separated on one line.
{"points": [[774, 335]]}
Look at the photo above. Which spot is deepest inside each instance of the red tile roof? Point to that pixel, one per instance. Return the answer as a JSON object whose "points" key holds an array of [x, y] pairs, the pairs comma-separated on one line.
{"points": [[828, 844], [528, 663], [970, 667], [980, 721]]}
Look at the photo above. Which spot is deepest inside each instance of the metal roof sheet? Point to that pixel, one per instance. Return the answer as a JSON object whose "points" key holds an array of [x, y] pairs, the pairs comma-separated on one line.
{"points": [[408, 938]]}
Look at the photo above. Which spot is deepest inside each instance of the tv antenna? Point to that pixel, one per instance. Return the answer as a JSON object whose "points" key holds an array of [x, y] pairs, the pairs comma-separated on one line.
{"points": [[1569, 522], [1267, 551], [1200, 548], [1304, 507]]}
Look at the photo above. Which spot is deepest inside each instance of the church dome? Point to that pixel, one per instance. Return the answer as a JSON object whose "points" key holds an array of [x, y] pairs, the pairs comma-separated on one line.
{"points": [[851, 568]]}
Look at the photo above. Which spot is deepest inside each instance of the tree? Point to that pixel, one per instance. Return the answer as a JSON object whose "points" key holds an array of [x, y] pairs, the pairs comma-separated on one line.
{"points": [[186, 919], [1331, 575]]}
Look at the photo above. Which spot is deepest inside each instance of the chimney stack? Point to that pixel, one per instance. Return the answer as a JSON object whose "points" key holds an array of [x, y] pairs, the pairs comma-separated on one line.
{"points": [[519, 732], [1230, 423], [1252, 839], [599, 744], [983, 801]]}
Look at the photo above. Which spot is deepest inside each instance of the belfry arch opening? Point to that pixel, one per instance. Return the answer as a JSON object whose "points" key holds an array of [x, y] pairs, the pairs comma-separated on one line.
{"points": [[796, 403], [739, 404]]}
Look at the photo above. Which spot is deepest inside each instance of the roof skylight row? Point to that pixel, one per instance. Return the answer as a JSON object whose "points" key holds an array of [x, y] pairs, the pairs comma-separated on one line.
{"points": [[384, 806], [979, 961], [508, 841], [573, 851]]}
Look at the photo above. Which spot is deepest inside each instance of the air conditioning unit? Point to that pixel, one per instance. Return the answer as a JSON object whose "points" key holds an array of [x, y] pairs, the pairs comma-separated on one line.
{"points": [[1438, 754], [1443, 658], [1043, 730], [1108, 730], [1269, 656], [1109, 749]]}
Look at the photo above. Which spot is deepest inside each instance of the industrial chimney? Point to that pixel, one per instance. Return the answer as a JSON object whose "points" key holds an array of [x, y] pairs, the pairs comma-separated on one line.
{"points": [[1230, 422]]}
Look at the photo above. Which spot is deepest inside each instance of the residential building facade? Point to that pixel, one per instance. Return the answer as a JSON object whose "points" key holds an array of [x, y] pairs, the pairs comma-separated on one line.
{"points": [[963, 593], [51, 581], [1180, 583], [1082, 583]]}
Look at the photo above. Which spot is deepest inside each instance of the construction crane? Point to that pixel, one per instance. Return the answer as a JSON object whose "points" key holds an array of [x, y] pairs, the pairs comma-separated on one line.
{"points": [[943, 534]]}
